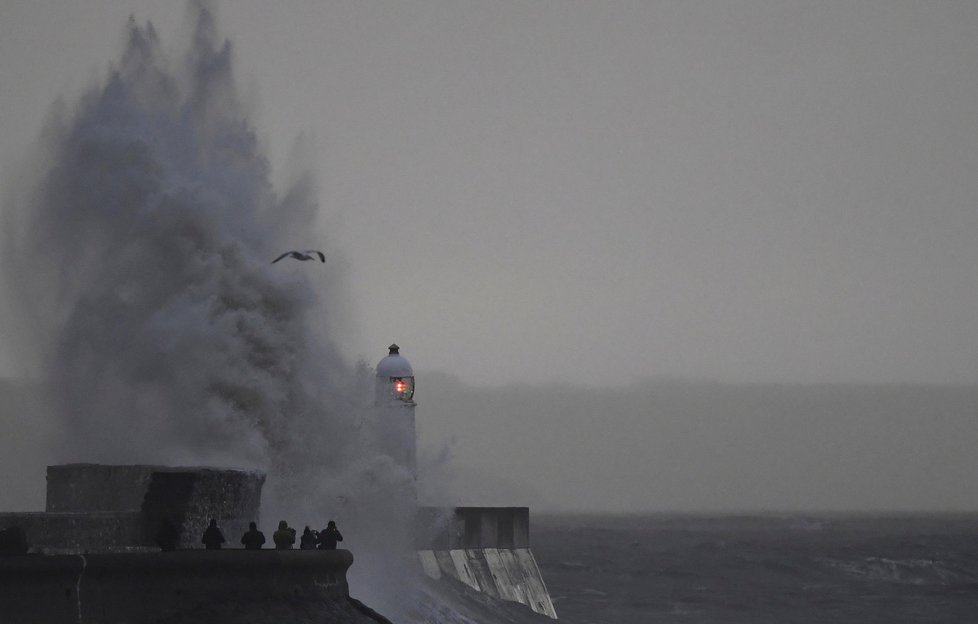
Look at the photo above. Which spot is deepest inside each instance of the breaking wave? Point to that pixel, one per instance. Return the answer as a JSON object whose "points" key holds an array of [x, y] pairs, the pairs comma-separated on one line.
{"points": [[138, 250], [141, 259]]}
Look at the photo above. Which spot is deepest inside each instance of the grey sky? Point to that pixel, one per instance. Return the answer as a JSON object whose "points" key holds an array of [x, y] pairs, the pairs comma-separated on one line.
{"points": [[604, 190]]}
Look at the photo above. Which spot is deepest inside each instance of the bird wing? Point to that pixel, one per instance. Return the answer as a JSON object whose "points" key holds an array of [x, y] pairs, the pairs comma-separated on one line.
{"points": [[310, 252], [287, 253], [302, 255]]}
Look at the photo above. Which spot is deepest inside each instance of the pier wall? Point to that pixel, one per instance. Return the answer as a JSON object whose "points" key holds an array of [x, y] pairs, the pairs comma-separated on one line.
{"points": [[79, 532], [105, 508], [487, 548], [120, 588]]}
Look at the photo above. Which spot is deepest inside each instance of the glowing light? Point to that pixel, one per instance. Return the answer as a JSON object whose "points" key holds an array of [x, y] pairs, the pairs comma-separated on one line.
{"points": [[402, 388]]}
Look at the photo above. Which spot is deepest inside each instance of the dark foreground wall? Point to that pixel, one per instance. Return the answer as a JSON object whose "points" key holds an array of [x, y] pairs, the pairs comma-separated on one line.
{"points": [[148, 587]]}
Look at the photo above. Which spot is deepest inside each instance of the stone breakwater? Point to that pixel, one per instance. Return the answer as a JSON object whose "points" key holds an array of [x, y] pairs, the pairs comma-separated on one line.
{"points": [[179, 586], [97, 508]]}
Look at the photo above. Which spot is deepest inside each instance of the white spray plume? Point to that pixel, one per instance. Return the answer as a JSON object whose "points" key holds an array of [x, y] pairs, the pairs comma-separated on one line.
{"points": [[141, 259], [139, 252]]}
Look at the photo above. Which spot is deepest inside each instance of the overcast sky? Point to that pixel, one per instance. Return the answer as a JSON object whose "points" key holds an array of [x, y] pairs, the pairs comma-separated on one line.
{"points": [[603, 191]]}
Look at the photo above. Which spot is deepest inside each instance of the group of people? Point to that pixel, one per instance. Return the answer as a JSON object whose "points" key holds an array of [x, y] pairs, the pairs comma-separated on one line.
{"points": [[253, 539], [284, 537]]}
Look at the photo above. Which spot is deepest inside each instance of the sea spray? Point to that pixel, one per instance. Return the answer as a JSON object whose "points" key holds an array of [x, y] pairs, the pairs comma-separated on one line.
{"points": [[141, 260], [139, 256]]}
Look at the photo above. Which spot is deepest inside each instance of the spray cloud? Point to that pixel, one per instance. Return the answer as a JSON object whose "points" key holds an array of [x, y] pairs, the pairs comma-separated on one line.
{"points": [[139, 252]]}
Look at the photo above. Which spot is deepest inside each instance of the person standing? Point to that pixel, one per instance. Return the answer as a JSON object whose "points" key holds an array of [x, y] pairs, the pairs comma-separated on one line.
{"points": [[284, 538], [213, 538], [308, 540], [253, 538], [329, 536]]}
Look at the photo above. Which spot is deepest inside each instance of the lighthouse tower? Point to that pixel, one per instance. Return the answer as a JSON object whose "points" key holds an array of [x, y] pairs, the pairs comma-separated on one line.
{"points": [[395, 404], [487, 548]]}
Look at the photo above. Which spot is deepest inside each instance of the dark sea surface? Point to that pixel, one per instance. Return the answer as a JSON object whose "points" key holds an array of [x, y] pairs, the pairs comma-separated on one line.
{"points": [[759, 569]]}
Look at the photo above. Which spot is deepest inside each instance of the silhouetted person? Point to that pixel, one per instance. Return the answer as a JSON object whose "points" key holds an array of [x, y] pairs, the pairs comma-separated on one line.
{"points": [[13, 541], [308, 540], [213, 538], [254, 538], [284, 537], [329, 536], [167, 537]]}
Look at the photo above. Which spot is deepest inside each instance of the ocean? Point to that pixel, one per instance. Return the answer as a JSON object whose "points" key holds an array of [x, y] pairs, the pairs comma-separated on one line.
{"points": [[758, 569]]}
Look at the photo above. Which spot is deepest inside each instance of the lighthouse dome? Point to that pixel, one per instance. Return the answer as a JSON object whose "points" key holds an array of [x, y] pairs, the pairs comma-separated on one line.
{"points": [[395, 378], [394, 365]]}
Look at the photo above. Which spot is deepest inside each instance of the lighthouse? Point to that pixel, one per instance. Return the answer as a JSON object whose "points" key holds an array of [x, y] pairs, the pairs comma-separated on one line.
{"points": [[395, 405]]}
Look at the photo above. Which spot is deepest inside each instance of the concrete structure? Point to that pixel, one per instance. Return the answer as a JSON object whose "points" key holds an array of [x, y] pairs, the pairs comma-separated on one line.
{"points": [[134, 587], [473, 527], [100, 508], [107, 518], [488, 549]]}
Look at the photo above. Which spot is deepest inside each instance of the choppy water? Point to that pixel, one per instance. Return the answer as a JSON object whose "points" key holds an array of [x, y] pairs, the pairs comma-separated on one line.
{"points": [[602, 569]]}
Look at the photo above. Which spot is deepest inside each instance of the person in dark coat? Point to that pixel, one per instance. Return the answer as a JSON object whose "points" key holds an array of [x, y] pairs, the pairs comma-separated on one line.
{"points": [[253, 538], [284, 537], [213, 538], [308, 540], [168, 536], [329, 536]]}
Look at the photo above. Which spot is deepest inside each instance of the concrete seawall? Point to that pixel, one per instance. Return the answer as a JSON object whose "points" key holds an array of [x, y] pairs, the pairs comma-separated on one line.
{"points": [[119, 588], [507, 574], [487, 548]]}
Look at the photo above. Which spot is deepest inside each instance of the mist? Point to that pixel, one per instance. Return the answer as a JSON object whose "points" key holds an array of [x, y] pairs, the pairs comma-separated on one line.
{"points": [[703, 446], [595, 194], [137, 262]]}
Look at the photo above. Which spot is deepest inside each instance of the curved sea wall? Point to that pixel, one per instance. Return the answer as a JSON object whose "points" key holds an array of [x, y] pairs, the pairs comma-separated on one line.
{"points": [[117, 588]]}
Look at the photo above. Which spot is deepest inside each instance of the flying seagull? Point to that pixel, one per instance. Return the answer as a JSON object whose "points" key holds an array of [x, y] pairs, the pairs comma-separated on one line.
{"points": [[309, 254]]}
